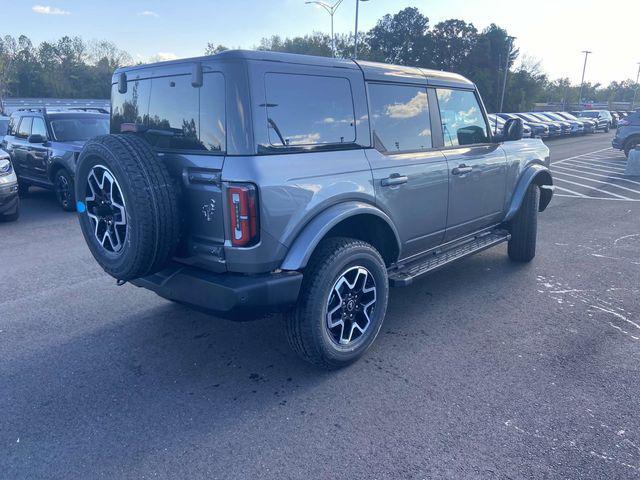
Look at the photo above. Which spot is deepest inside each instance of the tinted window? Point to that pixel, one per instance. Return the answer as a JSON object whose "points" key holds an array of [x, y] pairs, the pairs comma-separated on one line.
{"points": [[183, 117], [399, 118], [24, 130], [130, 107], [309, 110], [4, 127], [38, 127], [78, 128], [462, 119], [13, 123]]}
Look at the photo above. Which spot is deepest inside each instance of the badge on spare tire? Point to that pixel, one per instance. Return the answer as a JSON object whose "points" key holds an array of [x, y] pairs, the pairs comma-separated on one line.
{"points": [[209, 209]]}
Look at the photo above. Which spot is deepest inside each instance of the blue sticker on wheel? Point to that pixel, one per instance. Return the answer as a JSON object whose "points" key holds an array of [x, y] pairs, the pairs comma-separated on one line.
{"points": [[80, 207]]}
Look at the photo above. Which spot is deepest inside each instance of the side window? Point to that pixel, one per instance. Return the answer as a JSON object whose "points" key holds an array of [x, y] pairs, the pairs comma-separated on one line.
{"points": [[462, 119], [182, 117], [38, 127], [132, 106], [399, 118], [309, 110], [11, 129], [24, 129]]}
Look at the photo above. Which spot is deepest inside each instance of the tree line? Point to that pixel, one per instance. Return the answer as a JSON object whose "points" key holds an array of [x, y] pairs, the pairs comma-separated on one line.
{"points": [[73, 68]]}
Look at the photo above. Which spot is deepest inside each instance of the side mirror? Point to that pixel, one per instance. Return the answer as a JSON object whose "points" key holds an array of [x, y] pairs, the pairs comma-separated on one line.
{"points": [[513, 130], [36, 138], [122, 83]]}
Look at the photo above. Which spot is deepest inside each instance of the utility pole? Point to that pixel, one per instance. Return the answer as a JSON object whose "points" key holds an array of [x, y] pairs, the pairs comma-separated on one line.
{"points": [[635, 92], [584, 69], [331, 9], [355, 47], [506, 69]]}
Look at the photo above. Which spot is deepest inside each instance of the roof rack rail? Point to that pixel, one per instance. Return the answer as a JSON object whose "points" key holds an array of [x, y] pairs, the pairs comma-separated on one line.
{"points": [[32, 109], [89, 109]]}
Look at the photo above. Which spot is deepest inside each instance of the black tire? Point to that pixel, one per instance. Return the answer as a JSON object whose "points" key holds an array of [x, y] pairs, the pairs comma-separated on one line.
{"points": [[23, 189], [146, 193], [524, 227], [606, 128], [64, 189], [307, 326]]}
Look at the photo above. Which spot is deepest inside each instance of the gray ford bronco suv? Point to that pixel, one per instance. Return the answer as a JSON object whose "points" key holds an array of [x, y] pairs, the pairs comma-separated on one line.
{"points": [[249, 182]]}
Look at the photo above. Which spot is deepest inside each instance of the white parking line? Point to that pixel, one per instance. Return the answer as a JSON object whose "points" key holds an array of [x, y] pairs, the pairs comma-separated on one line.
{"points": [[598, 164], [575, 194], [597, 169], [598, 175], [589, 187], [599, 182], [593, 198], [578, 156]]}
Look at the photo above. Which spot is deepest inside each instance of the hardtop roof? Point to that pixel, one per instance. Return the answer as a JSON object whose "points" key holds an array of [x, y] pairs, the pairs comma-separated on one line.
{"points": [[373, 71]]}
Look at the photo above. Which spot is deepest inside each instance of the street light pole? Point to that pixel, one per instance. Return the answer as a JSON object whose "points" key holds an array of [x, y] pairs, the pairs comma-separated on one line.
{"points": [[635, 92], [506, 70], [331, 9], [584, 69], [355, 48]]}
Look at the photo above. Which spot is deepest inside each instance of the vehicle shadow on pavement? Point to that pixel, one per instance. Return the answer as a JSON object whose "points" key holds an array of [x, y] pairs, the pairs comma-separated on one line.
{"points": [[169, 376]]}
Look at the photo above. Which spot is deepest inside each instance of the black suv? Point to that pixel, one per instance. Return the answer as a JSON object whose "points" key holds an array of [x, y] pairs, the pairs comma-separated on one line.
{"points": [[44, 147]]}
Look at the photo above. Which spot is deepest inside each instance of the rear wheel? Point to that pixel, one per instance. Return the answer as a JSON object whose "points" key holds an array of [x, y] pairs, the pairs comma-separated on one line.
{"points": [[524, 227], [64, 189], [630, 145], [23, 189], [342, 304]]}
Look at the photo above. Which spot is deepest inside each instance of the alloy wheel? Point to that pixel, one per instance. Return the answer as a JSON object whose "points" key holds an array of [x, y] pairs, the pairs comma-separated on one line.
{"points": [[106, 209], [350, 306]]}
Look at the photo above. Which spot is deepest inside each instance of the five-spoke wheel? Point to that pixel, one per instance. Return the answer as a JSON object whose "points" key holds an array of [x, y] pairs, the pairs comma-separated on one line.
{"points": [[106, 208]]}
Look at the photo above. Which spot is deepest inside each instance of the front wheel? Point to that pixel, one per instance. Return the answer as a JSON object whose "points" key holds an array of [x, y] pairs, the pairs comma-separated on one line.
{"points": [[524, 227], [65, 190], [342, 304]]}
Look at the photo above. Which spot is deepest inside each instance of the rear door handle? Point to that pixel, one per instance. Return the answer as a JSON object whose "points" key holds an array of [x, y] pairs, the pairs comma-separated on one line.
{"points": [[394, 179], [461, 170]]}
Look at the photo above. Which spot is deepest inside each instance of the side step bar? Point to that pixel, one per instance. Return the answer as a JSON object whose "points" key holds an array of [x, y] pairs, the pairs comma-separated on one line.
{"points": [[403, 274]]}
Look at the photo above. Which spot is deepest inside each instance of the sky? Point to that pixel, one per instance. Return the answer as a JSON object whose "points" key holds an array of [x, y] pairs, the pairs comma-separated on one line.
{"points": [[553, 32]]}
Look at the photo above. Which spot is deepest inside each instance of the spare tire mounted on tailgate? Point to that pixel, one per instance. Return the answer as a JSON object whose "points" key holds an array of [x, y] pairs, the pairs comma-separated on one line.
{"points": [[127, 205]]}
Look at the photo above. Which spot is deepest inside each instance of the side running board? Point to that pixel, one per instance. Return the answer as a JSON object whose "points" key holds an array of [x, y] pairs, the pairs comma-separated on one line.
{"points": [[403, 275]]}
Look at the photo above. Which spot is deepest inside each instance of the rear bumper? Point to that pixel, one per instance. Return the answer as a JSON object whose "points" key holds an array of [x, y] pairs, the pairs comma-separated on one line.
{"points": [[228, 295]]}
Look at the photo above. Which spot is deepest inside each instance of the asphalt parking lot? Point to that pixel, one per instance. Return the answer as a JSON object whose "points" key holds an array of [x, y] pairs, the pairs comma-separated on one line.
{"points": [[483, 370]]}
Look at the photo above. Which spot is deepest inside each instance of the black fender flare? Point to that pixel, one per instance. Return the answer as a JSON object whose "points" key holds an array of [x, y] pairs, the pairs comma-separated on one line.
{"points": [[57, 163], [311, 235], [541, 176]]}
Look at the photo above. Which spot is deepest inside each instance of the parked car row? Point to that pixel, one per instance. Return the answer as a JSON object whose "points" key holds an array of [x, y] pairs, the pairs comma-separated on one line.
{"points": [[553, 124], [41, 148]]}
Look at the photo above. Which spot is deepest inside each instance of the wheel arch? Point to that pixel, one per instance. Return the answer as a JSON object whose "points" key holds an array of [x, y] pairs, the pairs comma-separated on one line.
{"points": [[56, 165], [537, 174], [350, 219]]}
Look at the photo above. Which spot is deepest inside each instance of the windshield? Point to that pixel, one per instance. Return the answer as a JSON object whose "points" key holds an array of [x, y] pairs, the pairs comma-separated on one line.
{"points": [[79, 129], [4, 125]]}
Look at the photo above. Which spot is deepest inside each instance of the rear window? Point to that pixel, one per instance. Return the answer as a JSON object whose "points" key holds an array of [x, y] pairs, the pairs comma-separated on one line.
{"points": [[307, 110], [177, 115], [399, 117]]}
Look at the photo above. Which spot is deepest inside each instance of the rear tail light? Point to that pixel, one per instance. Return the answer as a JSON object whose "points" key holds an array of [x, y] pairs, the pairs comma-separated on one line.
{"points": [[243, 214]]}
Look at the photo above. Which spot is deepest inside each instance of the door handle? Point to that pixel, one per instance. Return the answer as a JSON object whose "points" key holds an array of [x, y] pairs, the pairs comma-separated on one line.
{"points": [[461, 170], [394, 179]]}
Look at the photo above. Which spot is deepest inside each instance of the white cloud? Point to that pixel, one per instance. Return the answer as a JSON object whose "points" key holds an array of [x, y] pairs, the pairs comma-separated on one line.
{"points": [[412, 108], [148, 13], [47, 10], [165, 56]]}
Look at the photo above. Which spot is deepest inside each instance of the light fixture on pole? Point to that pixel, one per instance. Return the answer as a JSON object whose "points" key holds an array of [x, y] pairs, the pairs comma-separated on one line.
{"points": [[635, 92], [331, 9], [584, 69], [355, 48]]}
